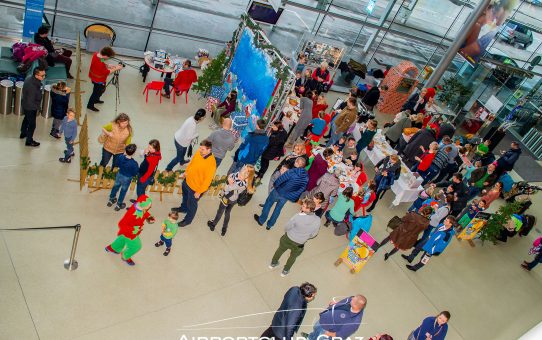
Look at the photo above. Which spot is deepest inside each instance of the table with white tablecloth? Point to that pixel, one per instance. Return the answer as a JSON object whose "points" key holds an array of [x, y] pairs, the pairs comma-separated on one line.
{"points": [[407, 187]]}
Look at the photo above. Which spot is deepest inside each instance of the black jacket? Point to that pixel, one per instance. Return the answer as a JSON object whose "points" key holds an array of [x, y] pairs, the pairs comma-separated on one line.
{"points": [[275, 148], [424, 137], [290, 314], [31, 94], [506, 162], [446, 129], [372, 96], [46, 42], [462, 198], [59, 104]]}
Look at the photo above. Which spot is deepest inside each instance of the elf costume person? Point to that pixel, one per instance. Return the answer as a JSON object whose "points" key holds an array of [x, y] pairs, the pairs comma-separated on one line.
{"points": [[128, 242]]}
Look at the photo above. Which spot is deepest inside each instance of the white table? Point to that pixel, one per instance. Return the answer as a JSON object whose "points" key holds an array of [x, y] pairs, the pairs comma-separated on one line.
{"points": [[401, 188]]}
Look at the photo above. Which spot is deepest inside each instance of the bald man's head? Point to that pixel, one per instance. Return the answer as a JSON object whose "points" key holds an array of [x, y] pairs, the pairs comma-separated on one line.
{"points": [[358, 302], [227, 123]]}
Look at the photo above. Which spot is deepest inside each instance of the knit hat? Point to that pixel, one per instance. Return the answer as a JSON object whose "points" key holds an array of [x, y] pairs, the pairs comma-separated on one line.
{"points": [[144, 201]]}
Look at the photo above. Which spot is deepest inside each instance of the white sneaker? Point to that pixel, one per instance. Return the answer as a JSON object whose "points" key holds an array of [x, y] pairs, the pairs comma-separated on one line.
{"points": [[284, 273], [273, 266]]}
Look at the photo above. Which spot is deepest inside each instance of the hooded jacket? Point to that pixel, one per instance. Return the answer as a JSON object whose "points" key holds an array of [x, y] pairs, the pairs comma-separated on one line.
{"points": [[439, 240], [290, 314], [406, 234], [345, 119], [275, 147], [59, 103], [252, 147]]}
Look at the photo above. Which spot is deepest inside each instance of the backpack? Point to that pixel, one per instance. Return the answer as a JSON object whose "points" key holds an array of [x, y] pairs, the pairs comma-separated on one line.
{"points": [[394, 222]]}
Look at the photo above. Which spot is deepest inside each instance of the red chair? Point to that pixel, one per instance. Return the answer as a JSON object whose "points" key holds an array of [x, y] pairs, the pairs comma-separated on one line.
{"points": [[154, 86], [183, 82], [180, 92]]}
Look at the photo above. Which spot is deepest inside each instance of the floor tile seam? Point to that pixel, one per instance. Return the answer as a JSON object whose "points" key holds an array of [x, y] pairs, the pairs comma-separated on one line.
{"points": [[20, 286], [162, 308]]}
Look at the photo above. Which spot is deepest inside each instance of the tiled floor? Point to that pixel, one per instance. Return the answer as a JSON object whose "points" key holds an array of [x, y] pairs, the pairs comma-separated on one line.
{"points": [[208, 278]]}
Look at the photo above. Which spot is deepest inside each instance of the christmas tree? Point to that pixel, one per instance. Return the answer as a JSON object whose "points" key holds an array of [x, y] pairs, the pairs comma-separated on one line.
{"points": [[213, 75]]}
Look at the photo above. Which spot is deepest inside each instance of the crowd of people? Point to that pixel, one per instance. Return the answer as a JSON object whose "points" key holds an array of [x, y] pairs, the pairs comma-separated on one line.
{"points": [[325, 178]]}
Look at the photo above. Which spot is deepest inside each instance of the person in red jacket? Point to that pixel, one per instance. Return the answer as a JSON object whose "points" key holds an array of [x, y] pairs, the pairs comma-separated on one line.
{"points": [[320, 76], [425, 160], [183, 80], [148, 166], [130, 226], [98, 73]]}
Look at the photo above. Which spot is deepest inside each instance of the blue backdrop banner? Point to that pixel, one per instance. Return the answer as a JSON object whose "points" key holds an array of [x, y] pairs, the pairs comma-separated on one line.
{"points": [[33, 15]]}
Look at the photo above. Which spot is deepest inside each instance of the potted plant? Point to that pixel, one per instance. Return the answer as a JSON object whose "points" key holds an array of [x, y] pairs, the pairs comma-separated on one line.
{"points": [[494, 226]]}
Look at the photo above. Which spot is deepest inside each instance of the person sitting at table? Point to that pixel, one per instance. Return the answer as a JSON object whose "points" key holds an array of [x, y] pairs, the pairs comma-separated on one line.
{"points": [[53, 55], [320, 76], [349, 151], [183, 80], [386, 172], [365, 197], [317, 127], [319, 167]]}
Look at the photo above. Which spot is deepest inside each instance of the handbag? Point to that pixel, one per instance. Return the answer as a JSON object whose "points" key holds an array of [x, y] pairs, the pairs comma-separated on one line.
{"points": [[191, 147], [102, 138], [394, 222], [244, 198]]}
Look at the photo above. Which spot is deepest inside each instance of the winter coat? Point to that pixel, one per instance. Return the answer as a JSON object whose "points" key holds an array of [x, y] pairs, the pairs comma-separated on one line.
{"points": [[59, 103], [252, 147], [507, 161], [423, 138], [479, 173], [395, 131], [406, 234], [371, 97], [275, 148], [292, 183], [328, 185], [438, 240], [290, 314], [345, 119], [31, 94], [318, 169], [446, 129]]}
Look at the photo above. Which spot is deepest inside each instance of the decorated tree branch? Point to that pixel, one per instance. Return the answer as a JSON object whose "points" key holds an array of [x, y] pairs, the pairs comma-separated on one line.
{"points": [[497, 222], [213, 75]]}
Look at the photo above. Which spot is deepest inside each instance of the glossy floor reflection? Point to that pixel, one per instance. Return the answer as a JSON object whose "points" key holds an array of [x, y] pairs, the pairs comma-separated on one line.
{"points": [[208, 278]]}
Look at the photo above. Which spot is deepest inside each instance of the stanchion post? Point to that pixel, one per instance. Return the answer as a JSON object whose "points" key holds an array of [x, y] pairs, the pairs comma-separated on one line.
{"points": [[71, 264]]}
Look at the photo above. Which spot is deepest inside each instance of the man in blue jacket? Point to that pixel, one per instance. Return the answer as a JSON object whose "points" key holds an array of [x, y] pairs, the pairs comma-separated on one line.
{"points": [[251, 149], [435, 245], [340, 320], [288, 187], [291, 312], [508, 159]]}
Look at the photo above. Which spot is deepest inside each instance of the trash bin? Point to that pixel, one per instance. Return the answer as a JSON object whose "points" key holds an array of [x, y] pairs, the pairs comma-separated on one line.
{"points": [[17, 103], [46, 102], [99, 36], [6, 96]]}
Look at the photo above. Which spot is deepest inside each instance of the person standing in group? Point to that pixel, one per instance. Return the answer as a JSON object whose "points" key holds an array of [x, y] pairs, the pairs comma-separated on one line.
{"points": [[319, 104], [508, 158], [299, 150], [435, 245], [319, 167], [98, 73], [432, 328], [274, 149], [452, 154], [305, 117], [128, 169], [31, 103], [184, 136], [197, 179], [288, 187], [115, 136], [223, 141], [385, 171], [406, 234], [301, 228], [437, 217], [459, 190], [251, 149], [290, 315], [60, 99], [237, 183], [130, 226], [328, 185], [367, 136], [148, 167], [340, 320], [69, 129], [169, 230], [343, 121]]}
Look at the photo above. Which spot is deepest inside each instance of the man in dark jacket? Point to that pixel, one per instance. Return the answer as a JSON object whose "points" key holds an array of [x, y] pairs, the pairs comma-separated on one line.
{"points": [[459, 190], [424, 137], [291, 312], [31, 103], [340, 320], [41, 38], [482, 178], [251, 149], [509, 158], [288, 187], [371, 97]]}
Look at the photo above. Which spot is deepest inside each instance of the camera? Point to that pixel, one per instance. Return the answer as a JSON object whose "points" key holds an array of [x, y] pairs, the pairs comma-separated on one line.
{"points": [[122, 64]]}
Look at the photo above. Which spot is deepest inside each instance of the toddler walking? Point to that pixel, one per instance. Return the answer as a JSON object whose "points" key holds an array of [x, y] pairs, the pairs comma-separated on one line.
{"points": [[69, 129], [169, 230]]}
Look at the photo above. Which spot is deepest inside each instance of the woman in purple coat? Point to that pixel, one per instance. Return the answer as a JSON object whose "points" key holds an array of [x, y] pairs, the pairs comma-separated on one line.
{"points": [[318, 167]]}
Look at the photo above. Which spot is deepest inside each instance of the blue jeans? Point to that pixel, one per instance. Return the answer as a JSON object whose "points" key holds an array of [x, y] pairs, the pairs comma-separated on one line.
{"points": [[69, 148], [189, 203], [106, 157], [123, 183], [430, 174], [416, 204], [167, 241], [142, 187], [333, 135], [273, 198], [179, 158], [317, 333]]}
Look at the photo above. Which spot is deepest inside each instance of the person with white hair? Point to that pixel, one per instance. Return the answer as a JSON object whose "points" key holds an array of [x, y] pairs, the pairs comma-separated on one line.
{"points": [[321, 76]]}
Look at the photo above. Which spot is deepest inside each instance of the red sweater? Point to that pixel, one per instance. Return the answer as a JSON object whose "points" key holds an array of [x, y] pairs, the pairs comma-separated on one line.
{"points": [[98, 70], [184, 79], [147, 167], [316, 108], [426, 160]]}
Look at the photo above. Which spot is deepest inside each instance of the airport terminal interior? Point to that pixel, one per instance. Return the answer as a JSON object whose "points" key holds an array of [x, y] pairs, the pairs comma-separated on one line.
{"points": [[58, 282]]}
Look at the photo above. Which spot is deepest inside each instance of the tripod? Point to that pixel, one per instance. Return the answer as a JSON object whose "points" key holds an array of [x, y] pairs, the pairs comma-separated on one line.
{"points": [[115, 82]]}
